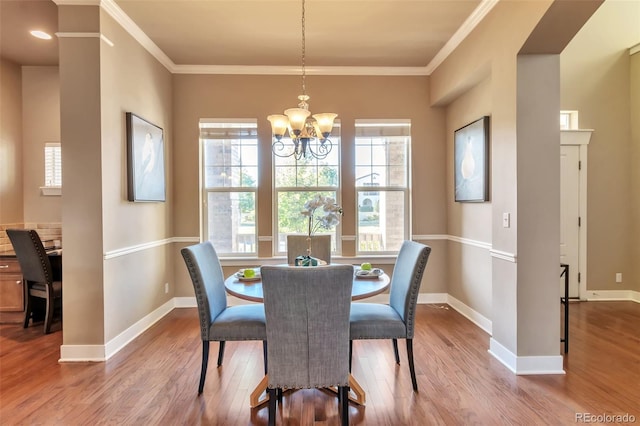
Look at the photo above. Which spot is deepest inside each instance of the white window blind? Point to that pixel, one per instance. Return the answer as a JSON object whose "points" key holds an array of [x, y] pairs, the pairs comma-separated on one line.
{"points": [[52, 164]]}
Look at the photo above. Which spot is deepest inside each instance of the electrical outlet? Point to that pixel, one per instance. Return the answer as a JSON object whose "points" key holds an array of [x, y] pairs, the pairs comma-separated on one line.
{"points": [[506, 220], [166, 288], [618, 277]]}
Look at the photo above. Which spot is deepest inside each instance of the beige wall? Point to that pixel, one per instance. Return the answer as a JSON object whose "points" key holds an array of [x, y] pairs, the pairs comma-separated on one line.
{"points": [[11, 198], [211, 96], [116, 257], [41, 123], [595, 73], [83, 297], [132, 80], [635, 160], [487, 59], [521, 94], [109, 287], [469, 266]]}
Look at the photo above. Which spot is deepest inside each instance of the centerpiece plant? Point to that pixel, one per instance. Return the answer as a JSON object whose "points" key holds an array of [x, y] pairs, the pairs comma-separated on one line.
{"points": [[323, 213]]}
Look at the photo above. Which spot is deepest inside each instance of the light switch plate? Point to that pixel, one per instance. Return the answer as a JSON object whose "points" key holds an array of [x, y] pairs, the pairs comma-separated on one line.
{"points": [[506, 220]]}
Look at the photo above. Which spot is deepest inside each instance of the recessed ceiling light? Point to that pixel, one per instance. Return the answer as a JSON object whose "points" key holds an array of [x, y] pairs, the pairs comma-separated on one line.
{"points": [[40, 34]]}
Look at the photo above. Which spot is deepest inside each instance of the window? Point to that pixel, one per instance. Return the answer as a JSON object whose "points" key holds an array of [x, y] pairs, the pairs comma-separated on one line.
{"points": [[296, 182], [52, 164], [230, 182], [568, 120], [382, 184]]}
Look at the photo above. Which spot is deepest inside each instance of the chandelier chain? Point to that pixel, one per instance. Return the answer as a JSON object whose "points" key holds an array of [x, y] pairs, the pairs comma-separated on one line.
{"points": [[309, 134], [304, 74]]}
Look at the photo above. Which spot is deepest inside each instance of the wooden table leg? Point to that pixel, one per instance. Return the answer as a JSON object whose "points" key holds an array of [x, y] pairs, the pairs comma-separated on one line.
{"points": [[356, 395], [254, 399], [360, 396]]}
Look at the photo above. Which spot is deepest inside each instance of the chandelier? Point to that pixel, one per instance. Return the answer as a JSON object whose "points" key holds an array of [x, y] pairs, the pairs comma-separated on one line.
{"points": [[303, 128]]}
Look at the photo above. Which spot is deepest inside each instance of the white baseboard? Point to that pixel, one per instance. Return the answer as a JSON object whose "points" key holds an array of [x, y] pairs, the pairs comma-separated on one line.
{"points": [[99, 353], [526, 365], [481, 321], [426, 298], [519, 365], [613, 295]]}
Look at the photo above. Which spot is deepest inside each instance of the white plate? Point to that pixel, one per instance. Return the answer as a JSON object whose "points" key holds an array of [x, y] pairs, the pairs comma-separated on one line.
{"points": [[375, 272], [241, 277]]}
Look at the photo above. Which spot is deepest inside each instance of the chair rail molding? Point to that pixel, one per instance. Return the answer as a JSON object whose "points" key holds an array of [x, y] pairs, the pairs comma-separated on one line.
{"points": [[145, 246]]}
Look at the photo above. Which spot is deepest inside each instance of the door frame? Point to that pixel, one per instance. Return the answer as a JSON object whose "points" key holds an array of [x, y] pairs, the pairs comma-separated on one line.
{"points": [[580, 138]]}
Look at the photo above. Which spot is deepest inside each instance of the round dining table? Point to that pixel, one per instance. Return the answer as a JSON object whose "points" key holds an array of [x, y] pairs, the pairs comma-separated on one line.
{"points": [[251, 289]]}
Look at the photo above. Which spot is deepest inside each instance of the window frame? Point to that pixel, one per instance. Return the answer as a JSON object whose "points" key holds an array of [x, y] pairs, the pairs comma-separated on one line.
{"points": [[205, 191], [52, 162], [406, 189], [336, 139]]}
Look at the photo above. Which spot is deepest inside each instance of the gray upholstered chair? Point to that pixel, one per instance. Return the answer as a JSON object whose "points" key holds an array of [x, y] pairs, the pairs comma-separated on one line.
{"points": [[38, 275], [297, 245], [307, 312], [397, 319], [217, 321]]}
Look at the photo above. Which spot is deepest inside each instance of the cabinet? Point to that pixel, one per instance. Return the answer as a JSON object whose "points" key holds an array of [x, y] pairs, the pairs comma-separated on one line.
{"points": [[11, 286]]}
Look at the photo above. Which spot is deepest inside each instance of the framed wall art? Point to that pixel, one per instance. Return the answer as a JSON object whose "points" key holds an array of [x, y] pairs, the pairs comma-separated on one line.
{"points": [[145, 160], [471, 157]]}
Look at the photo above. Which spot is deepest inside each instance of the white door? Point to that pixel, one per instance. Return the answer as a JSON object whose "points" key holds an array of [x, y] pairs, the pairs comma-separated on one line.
{"points": [[570, 215]]}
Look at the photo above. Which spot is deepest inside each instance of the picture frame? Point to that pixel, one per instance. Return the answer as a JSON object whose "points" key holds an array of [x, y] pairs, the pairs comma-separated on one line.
{"points": [[145, 160], [471, 161]]}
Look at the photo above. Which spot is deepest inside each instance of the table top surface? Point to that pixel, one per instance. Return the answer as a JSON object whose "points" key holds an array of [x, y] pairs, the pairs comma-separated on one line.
{"points": [[10, 254], [252, 290]]}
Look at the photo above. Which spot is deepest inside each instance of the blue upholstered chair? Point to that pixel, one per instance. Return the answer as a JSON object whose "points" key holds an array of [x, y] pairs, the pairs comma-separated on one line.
{"points": [[307, 311], [37, 273], [217, 321], [297, 245], [397, 319]]}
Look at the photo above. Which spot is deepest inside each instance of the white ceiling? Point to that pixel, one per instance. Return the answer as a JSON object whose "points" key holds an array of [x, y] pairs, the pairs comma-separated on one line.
{"points": [[339, 33]]}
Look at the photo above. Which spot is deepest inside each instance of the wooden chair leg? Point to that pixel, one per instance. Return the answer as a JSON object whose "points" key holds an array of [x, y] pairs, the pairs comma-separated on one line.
{"points": [[28, 308], [343, 393], [205, 361], [412, 369], [221, 353], [264, 355], [48, 316], [395, 350], [272, 406]]}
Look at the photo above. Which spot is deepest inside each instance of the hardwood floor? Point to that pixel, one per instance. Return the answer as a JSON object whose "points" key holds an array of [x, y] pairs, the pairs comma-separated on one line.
{"points": [[154, 380]]}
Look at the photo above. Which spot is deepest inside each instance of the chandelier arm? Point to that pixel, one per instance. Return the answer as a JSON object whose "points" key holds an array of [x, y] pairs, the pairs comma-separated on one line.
{"points": [[323, 149], [277, 147]]}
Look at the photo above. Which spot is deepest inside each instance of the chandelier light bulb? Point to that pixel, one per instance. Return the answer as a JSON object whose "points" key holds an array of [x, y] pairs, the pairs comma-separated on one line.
{"points": [[325, 122], [279, 124], [297, 118]]}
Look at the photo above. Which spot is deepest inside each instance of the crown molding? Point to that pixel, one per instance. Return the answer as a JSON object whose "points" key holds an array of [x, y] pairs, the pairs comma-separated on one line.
{"points": [[136, 32], [634, 49], [465, 29], [289, 70], [77, 2]]}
